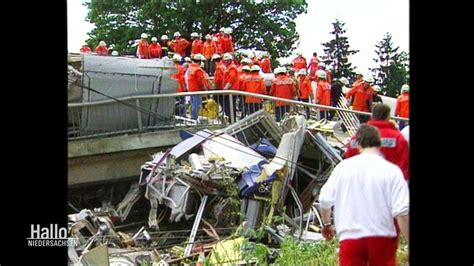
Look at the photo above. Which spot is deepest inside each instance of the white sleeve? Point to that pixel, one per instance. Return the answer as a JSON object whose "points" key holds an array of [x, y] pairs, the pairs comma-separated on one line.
{"points": [[328, 191], [400, 195]]}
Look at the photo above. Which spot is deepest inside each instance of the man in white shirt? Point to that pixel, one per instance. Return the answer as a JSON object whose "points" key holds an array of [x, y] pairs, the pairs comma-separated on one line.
{"points": [[406, 133], [367, 193]]}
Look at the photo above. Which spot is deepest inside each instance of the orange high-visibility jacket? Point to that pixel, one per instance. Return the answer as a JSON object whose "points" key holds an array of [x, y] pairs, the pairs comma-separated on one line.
{"points": [[283, 87], [226, 44], [266, 66], [362, 97], [155, 50], [304, 87], [196, 47], [143, 50], [179, 76], [403, 105], [242, 76], [323, 94], [313, 66], [86, 49], [256, 84], [231, 76], [179, 46], [208, 49], [196, 78], [299, 63], [219, 76]]}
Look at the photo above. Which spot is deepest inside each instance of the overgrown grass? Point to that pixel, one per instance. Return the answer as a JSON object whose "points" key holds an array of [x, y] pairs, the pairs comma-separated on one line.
{"points": [[295, 252]]}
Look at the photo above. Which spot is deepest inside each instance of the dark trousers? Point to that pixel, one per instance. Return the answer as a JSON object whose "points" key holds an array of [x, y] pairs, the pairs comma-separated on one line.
{"points": [[280, 112], [323, 115], [251, 108], [401, 125], [363, 118], [180, 106]]}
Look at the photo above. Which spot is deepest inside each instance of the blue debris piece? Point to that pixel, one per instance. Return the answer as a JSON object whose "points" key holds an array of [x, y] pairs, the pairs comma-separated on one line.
{"points": [[264, 147]]}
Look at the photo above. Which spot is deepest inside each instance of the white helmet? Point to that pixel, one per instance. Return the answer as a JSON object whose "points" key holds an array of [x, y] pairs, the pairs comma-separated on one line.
{"points": [[144, 36], [177, 58], [195, 34], [114, 53], [164, 37], [102, 43], [255, 68], [376, 88], [322, 64], [358, 72], [250, 55], [344, 81], [245, 68], [280, 70], [198, 57], [214, 39], [369, 79], [208, 37], [302, 72], [405, 88], [228, 31], [227, 56], [321, 74], [154, 39], [177, 34], [187, 59], [222, 29], [216, 56], [245, 61]]}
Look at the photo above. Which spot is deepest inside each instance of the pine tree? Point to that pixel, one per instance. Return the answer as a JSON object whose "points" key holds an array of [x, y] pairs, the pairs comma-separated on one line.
{"points": [[337, 52], [392, 71]]}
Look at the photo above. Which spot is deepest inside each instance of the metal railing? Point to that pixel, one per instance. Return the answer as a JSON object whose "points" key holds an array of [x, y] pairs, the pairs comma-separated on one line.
{"points": [[218, 109]]}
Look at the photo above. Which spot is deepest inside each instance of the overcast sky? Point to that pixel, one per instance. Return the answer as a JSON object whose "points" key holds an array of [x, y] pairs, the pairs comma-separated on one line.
{"points": [[366, 23]]}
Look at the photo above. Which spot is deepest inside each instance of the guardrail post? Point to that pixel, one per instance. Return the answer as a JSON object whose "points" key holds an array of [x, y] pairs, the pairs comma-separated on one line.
{"points": [[231, 105], [139, 115]]}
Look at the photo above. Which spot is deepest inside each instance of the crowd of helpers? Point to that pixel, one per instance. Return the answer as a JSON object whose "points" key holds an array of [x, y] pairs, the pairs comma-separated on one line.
{"points": [[215, 55]]}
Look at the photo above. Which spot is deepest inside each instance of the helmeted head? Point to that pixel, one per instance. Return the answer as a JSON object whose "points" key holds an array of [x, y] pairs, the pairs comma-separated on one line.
{"points": [[359, 74], [322, 65], [144, 36], [299, 54], [216, 57], [227, 57], [222, 29], [198, 58], [405, 88], [302, 72], [187, 59], [102, 43], [376, 88], [255, 68], [321, 74], [154, 39], [194, 35], [164, 37], [177, 34], [279, 70], [208, 37], [177, 58], [114, 53], [344, 81], [228, 31], [246, 68], [245, 61], [369, 79]]}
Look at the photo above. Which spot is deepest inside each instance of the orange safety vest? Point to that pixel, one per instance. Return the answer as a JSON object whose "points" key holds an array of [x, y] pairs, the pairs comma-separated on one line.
{"points": [[266, 66], [256, 84], [196, 47], [304, 87], [299, 63], [86, 49], [403, 105], [282, 87], [179, 46], [231, 76], [179, 76], [196, 78], [323, 93], [155, 50], [101, 50], [361, 97], [242, 76], [226, 44], [219, 76], [143, 50], [208, 49]]}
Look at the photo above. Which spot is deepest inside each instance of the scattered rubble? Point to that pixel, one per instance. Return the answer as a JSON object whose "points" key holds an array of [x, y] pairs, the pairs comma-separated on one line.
{"points": [[255, 181]]}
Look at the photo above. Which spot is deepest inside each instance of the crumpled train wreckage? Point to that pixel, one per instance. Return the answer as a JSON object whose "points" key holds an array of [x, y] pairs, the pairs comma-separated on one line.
{"points": [[254, 174]]}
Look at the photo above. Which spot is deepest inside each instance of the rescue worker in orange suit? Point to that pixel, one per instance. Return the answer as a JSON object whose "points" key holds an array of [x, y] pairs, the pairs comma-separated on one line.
{"points": [[362, 94], [313, 65], [253, 83], [402, 108], [101, 49], [245, 71], [282, 87], [164, 46], [322, 66], [359, 78], [179, 44], [376, 97], [208, 50], [196, 81], [244, 62], [219, 77], [155, 48], [323, 94], [181, 84], [305, 90], [217, 45], [85, 49], [231, 82], [394, 147], [196, 45], [143, 47], [265, 63], [226, 41], [299, 62]]}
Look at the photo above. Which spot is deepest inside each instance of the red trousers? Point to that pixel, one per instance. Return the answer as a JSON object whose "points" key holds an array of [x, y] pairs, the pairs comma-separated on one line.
{"points": [[372, 251]]}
